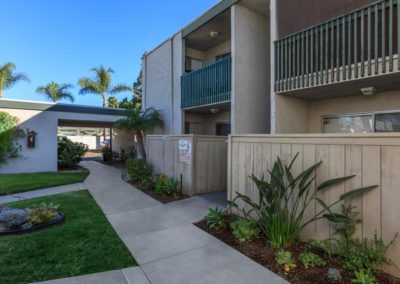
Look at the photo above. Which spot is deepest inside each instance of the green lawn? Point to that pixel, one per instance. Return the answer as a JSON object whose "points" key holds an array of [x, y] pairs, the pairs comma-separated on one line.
{"points": [[17, 183], [85, 243]]}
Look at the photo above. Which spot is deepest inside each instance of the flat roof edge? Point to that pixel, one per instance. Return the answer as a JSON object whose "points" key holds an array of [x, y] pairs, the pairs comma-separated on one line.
{"points": [[41, 106]]}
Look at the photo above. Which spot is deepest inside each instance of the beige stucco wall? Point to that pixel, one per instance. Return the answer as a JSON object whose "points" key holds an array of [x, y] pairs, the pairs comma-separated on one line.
{"points": [[162, 70], [208, 56], [250, 72], [301, 116], [208, 121]]}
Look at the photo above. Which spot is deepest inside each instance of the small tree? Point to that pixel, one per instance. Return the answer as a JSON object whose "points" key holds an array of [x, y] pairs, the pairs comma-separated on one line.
{"points": [[140, 123], [56, 92], [9, 132], [8, 78]]}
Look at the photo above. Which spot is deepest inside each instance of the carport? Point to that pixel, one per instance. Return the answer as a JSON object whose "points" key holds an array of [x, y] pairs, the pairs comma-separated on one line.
{"points": [[44, 119]]}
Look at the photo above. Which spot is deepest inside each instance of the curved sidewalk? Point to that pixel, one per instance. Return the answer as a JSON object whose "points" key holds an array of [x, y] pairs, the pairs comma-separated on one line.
{"points": [[168, 248]]}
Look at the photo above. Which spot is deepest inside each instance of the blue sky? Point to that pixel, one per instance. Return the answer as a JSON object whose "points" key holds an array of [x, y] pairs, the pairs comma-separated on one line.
{"points": [[61, 40]]}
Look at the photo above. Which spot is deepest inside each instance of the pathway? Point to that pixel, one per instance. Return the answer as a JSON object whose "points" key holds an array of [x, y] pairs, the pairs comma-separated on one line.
{"points": [[41, 192], [167, 247]]}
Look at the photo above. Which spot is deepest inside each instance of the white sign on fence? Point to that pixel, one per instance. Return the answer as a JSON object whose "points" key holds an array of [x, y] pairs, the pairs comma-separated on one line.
{"points": [[185, 151]]}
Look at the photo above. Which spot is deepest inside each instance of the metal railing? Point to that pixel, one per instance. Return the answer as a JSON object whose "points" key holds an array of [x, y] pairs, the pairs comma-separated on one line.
{"points": [[208, 85], [360, 44]]}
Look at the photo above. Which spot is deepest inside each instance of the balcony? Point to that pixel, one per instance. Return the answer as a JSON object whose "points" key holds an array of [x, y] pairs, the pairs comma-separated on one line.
{"points": [[207, 86], [361, 45]]}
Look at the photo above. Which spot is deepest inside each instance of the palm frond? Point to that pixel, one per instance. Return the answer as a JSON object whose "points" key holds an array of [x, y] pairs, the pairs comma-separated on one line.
{"points": [[121, 88]]}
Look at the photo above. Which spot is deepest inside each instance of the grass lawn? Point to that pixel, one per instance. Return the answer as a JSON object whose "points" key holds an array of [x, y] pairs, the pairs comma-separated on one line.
{"points": [[17, 183], [85, 243]]}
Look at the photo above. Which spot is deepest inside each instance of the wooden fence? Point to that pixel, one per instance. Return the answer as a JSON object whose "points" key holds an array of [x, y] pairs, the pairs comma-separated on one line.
{"points": [[203, 167], [373, 158]]}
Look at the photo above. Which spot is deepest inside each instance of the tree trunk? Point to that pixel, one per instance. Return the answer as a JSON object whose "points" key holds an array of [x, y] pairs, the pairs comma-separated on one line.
{"points": [[1, 92], [141, 145]]}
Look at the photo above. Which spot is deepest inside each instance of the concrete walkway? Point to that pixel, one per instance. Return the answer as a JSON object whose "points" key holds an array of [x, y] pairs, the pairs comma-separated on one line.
{"points": [[41, 192], [168, 248]]}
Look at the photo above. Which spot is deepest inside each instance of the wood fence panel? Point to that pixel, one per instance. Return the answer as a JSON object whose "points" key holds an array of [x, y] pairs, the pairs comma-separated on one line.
{"points": [[374, 159]]}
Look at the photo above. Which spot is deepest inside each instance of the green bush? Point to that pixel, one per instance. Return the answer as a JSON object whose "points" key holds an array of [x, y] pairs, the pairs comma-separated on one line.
{"points": [[364, 277], [215, 218], [168, 186], [70, 153], [285, 258], [140, 171], [244, 229], [280, 211], [107, 154], [309, 259], [9, 148]]}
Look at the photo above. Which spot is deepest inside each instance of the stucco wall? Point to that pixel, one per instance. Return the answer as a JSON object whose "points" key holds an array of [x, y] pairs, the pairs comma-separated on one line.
{"points": [[301, 116], [250, 72], [162, 71], [43, 158], [208, 121]]}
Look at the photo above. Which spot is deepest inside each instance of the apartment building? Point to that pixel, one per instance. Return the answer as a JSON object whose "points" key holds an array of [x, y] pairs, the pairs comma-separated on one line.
{"points": [[210, 76], [336, 66]]}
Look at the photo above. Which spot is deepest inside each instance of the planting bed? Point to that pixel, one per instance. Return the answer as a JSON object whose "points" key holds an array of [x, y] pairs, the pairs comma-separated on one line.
{"points": [[259, 251], [152, 193]]}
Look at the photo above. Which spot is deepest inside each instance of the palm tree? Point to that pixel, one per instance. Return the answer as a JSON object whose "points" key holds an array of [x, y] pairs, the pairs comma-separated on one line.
{"points": [[101, 84], [56, 92], [140, 122], [8, 78]]}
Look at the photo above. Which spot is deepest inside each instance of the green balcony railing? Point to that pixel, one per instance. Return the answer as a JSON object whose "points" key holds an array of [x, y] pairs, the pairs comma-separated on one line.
{"points": [[360, 44], [208, 85]]}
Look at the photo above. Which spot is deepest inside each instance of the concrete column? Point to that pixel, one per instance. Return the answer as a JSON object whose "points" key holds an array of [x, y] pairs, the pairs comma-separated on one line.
{"points": [[250, 72]]}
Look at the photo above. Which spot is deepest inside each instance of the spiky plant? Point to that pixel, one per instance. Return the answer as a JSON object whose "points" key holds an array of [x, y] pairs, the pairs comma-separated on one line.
{"points": [[101, 84], [9, 78], [56, 92]]}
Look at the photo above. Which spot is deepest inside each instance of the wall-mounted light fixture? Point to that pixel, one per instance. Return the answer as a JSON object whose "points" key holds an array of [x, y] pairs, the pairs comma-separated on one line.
{"points": [[31, 139], [214, 110], [214, 34], [370, 91]]}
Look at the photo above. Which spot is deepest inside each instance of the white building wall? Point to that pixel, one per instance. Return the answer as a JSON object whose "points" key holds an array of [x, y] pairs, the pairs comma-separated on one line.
{"points": [[43, 158], [250, 72]]}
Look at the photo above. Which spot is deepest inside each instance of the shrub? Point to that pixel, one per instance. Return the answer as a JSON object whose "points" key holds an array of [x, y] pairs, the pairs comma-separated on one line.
{"points": [[168, 186], [334, 274], [215, 218], [70, 153], [285, 258], [140, 171], [9, 133], [107, 154], [244, 229], [280, 211], [364, 277], [309, 259], [126, 153]]}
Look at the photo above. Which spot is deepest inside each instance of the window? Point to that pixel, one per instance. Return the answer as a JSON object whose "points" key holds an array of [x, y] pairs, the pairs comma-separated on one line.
{"points": [[387, 122], [192, 64], [223, 56], [223, 129], [361, 123]]}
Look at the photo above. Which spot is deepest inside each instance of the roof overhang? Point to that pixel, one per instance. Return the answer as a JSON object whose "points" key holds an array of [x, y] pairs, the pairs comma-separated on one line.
{"points": [[208, 16], [42, 106]]}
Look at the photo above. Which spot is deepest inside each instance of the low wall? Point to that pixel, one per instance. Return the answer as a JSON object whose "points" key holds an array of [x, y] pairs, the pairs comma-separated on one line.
{"points": [[373, 158], [203, 167]]}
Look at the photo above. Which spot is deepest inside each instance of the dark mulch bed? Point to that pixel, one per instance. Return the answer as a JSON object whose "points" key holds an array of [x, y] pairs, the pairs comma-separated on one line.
{"points": [[72, 169], [161, 198], [263, 254]]}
